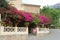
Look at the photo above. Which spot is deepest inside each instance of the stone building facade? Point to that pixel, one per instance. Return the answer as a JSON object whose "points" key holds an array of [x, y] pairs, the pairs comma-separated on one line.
{"points": [[25, 7]]}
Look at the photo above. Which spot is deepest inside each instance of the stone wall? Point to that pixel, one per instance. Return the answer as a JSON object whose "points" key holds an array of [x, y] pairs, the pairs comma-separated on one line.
{"points": [[13, 33], [31, 8], [25, 7], [13, 30]]}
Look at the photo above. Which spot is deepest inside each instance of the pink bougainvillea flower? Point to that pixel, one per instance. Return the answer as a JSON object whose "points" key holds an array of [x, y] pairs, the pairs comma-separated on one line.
{"points": [[41, 18], [47, 20], [7, 20], [44, 19], [27, 16], [19, 17]]}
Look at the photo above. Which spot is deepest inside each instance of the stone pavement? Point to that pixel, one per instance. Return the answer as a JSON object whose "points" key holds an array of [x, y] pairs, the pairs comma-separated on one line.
{"points": [[54, 35], [13, 37]]}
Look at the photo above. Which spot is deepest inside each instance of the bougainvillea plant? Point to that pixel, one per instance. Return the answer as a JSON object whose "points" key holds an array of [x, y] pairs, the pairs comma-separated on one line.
{"points": [[47, 19], [27, 17], [36, 20], [44, 19], [10, 15], [13, 15], [41, 18]]}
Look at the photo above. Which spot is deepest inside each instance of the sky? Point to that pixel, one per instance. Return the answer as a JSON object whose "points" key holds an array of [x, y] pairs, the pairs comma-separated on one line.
{"points": [[42, 2]]}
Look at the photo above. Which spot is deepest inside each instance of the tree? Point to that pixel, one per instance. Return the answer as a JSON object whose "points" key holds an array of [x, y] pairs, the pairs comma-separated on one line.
{"points": [[3, 3], [52, 13]]}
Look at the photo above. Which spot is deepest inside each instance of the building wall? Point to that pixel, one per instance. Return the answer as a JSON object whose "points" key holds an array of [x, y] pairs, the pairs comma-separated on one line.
{"points": [[17, 4], [31, 8], [28, 8]]}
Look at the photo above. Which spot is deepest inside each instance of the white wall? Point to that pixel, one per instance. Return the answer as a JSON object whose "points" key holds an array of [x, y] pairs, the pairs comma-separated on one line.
{"points": [[42, 30], [11, 33]]}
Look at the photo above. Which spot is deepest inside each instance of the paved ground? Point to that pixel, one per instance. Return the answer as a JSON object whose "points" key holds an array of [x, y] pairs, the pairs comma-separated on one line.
{"points": [[54, 35]]}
